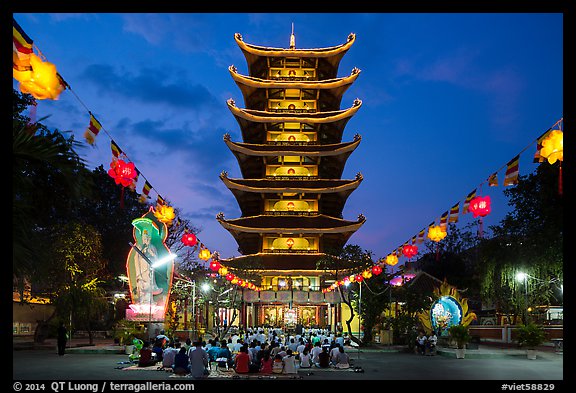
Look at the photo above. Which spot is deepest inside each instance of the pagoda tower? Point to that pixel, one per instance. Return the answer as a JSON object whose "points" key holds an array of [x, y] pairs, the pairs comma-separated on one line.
{"points": [[291, 158]]}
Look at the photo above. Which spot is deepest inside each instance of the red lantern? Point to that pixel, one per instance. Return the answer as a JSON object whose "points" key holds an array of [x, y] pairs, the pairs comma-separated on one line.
{"points": [[359, 278], [229, 277], [214, 265], [480, 206], [376, 270], [122, 172], [189, 239], [240, 282], [409, 250]]}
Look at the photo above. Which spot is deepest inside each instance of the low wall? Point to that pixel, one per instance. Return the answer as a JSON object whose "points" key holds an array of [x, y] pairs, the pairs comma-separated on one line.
{"points": [[507, 333]]}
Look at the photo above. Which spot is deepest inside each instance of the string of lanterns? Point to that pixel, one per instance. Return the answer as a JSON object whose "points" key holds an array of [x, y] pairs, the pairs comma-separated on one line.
{"points": [[40, 78]]}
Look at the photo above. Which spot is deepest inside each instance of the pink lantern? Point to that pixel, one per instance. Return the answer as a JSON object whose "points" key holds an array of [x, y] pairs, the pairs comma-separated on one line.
{"points": [[480, 206]]}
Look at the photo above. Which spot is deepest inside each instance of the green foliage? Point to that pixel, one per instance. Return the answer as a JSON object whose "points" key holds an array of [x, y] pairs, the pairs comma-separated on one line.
{"points": [[530, 335], [460, 334]]}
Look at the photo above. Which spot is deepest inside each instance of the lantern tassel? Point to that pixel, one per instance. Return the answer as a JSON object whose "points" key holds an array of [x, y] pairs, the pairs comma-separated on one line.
{"points": [[122, 198], [560, 180]]}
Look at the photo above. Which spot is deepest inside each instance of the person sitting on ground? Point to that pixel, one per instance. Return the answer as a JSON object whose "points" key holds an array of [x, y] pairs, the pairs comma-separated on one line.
{"points": [[431, 343], [315, 352], [266, 363], [224, 357], [305, 359], [277, 365], [198, 361], [420, 342], [334, 354], [158, 350], [342, 360], [289, 362], [146, 356], [324, 359], [169, 354], [213, 351], [181, 364], [242, 360]]}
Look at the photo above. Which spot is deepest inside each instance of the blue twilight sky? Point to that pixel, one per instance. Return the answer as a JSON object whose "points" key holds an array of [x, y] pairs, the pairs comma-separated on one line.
{"points": [[448, 99]]}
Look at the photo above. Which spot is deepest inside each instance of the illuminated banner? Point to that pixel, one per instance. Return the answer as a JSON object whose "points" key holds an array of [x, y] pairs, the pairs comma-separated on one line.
{"points": [[284, 296], [250, 296], [267, 296], [150, 267], [332, 297], [300, 296], [316, 297]]}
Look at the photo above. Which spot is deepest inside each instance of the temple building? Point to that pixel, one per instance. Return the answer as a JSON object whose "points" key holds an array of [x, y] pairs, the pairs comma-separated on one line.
{"points": [[291, 193]]}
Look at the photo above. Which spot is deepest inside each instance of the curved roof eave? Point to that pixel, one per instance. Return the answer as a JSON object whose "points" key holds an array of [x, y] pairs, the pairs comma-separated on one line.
{"points": [[352, 185], [257, 50], [258, 83], [264, 117], [250, 149]]}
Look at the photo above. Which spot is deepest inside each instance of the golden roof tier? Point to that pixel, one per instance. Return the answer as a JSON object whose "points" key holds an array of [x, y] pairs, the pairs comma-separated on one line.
{"points": [[325, 60], [329, 126], [252, 158], [287, 234], [250, 193], [257, 91]]}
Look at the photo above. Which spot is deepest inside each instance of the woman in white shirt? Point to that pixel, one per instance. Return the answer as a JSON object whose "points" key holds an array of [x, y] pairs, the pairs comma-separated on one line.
{"points": [[289, 362], [305, 359]]}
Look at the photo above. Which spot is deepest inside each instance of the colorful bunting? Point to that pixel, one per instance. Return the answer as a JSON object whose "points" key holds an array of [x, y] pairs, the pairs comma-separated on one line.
{"points": [[493, 180], [512, 171], [454, 211], [467, 201], [93, 129], [116, 151]]}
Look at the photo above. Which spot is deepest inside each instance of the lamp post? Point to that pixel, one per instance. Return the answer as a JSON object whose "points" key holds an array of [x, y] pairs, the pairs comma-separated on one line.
{"points": [[521, 276]]}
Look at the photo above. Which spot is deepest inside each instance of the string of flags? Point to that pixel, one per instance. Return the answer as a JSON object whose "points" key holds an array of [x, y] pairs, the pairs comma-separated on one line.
{"points": [[38, 77]]}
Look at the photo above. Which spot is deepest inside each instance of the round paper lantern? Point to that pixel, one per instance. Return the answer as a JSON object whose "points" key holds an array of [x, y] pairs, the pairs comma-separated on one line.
{"points": [[189, 239], [352, 278], [165, 214], [204, 254], [234, 280], [376, 270], [43, 81], [553, 146], [436, 233], [409, 250], [480, 206], [391, 260], [367, 273], [229, 277], [223, 271], [240, 282], [122, 172], [214, 265], [359, 278]]}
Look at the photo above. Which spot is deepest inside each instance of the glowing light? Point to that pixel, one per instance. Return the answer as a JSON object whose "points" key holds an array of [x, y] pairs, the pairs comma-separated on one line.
{"points": [[164, 260]]}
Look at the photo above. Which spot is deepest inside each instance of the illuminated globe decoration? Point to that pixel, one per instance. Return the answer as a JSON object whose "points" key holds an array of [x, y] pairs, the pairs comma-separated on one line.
{"points": [[189, 239], [376, 270], [553, 146], [447, 309], [223, 271], [122, 172], [391, 260], [436, 233], [204, 254], [165, 214], [42, 81], [480, 206], [214, 265], [409, 251]]}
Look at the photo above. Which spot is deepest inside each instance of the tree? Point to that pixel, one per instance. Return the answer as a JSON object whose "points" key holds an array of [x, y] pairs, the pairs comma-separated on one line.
{"points": [[341, 262], [530, 240], [374, 303], [76, 270]]}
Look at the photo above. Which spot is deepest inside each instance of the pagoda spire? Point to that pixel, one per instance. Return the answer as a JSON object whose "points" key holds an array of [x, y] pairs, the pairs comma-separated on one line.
{"points": [[292, 38]]}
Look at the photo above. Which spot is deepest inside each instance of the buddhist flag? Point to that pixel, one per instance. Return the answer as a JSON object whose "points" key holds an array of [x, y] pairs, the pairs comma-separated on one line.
{"points": [[146, 189], [537, 157], [116, 151], [21, 48], [93, 129], [454, 211], [421, 235], [160, 200], [413, 240], [470, 196], [493, 180], [444, 219], [512, 172]]}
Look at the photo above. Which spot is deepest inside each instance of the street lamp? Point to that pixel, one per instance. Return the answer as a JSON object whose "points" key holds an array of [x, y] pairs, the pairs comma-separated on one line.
{"points": [[521, 276]]}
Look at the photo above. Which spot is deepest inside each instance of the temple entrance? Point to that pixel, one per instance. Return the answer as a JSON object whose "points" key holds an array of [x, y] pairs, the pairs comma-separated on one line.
{"points": [[281, 315]]}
